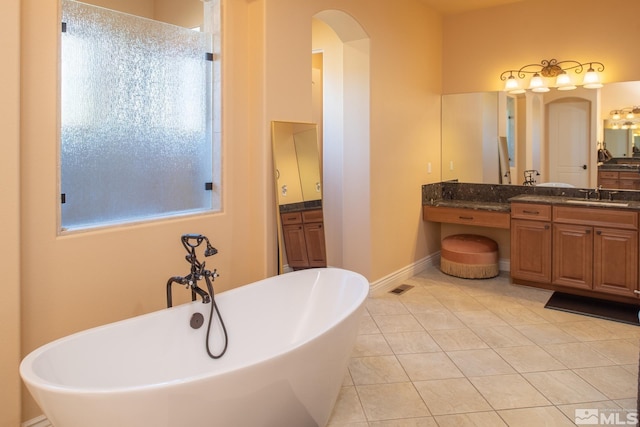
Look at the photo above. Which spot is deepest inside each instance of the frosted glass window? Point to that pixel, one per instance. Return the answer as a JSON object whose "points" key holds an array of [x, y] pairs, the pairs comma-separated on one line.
{"points": [[136, 119]]}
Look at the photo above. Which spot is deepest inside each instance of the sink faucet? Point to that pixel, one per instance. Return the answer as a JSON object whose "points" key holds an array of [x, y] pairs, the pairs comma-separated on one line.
{"points": [[597, 191], [198, 272]]}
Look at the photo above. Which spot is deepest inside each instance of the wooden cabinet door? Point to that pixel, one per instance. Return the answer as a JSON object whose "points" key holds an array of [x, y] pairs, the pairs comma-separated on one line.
{"points": [[316, 253], [573, 256], [615, 258], [531, 250], [295, 246]]}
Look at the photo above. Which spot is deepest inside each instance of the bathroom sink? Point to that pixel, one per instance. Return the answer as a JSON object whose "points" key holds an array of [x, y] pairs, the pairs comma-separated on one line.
{"points": [[598, 203]]}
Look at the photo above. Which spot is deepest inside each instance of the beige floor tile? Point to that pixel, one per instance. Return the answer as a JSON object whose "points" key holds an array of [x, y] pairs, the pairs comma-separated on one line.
{"points": [[529, 359], [391, 401], [545, 333], [621, 352], [460, 303], [386, 305], [419, 301], [439, 320], [473, 419], [421, 347], [376, 370], [627, 404], [348, 424], [475, 363], [577, 355], [615, 382], [451, 396], [347, 408], [457, 339], [397, 323], [508, 391], [367, 326], [371, 345], [407, 422], [502, 336], [586, 330], [412, 342], [517, 314], [429, 366], [479, 318], [621, 330], [563, 387], [554, 316], [536, 417]]}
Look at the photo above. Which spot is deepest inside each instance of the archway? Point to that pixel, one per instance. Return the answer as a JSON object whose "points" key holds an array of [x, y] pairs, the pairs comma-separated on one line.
{"points": [[345, 128]]}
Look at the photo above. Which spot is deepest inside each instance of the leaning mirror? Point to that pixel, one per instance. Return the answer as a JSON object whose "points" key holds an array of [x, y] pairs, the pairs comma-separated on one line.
{"points": [[298, 183]]}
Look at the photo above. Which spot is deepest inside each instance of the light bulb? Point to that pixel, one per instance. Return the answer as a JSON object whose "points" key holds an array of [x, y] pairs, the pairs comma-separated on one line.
{"points": [[537, 85], [563, 82], [591, 79]]}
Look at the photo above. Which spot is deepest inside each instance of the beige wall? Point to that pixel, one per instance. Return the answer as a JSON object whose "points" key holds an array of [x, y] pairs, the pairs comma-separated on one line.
{"points": [[74, 282], [10, 213], [479, 45], [405, 45]]}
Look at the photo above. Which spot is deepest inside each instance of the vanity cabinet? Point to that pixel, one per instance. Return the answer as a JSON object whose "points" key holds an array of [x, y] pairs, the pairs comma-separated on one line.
{"points": [[596, 249], [624, 180], [592, 251], [303, 234], [531, 242]]}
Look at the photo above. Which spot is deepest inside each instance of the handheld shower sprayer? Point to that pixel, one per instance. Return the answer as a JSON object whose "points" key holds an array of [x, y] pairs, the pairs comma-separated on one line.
{"points": [[198, 272]]}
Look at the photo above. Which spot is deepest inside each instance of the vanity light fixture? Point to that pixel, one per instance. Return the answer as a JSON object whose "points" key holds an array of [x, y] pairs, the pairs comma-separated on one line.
{"points": [[626, 112], [550, 69]]}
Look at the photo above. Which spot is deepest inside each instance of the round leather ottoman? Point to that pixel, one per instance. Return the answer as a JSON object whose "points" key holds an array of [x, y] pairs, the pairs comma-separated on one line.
{"points": [[469, 256]]}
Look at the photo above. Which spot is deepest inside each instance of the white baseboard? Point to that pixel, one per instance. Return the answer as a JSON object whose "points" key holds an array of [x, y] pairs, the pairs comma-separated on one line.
{"points": [[396, 278], [40, 421]]}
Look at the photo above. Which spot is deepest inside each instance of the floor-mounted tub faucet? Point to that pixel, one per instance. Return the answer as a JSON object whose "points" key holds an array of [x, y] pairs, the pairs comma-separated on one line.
{"points": [[198, 272]]}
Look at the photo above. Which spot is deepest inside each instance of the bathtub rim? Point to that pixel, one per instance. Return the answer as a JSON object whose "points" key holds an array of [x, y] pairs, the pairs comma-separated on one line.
{"points": [[32, 379]]}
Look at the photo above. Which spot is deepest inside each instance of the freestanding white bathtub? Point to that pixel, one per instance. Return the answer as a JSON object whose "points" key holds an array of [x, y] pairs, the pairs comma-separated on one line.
{"points": [[290, 339]]}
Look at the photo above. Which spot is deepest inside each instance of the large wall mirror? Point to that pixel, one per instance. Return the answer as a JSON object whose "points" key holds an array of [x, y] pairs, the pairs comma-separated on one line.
{"points": [[552, 138], [298, 183]]}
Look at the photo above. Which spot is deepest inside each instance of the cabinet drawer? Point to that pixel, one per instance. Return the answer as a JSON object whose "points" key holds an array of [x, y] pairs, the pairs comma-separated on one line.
{"points": [[532, 211], [466, 216], [291, 218], [599, 217], [608, 175], [629, 175], [312, 216]]}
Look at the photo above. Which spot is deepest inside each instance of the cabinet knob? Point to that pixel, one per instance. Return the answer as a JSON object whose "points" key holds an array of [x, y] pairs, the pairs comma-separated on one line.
{"points": [[598, 232], [637, 292]]}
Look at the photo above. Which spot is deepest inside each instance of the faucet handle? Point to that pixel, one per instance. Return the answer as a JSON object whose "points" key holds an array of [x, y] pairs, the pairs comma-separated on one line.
{"points": [[586, 193]]}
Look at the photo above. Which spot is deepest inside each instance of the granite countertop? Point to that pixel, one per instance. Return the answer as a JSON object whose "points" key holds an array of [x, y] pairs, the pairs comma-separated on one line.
{"points": [[498, 198], [619, 167], [574, 201], [467, 204]]}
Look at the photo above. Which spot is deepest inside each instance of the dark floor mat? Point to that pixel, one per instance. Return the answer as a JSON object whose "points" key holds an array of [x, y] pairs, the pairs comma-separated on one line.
{"points": [[616, 311]]}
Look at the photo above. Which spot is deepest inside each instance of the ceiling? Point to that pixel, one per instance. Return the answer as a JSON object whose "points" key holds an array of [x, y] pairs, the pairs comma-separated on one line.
{"points": [[450, 7]]}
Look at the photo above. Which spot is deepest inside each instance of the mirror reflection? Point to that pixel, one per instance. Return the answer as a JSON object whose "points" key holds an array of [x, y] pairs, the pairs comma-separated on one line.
{"points": [[298, 185], [558, 138]]}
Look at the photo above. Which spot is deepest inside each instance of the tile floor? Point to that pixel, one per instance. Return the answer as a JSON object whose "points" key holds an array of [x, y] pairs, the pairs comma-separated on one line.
{"points": [[456, 352]]}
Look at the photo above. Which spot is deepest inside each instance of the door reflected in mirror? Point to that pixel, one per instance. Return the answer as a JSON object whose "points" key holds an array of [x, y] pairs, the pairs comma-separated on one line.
{"points": [[298, 183], [472, 122]]}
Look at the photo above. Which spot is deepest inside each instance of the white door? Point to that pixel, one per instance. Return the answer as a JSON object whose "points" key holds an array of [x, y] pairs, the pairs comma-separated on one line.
{"points": [[568, 139]]}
